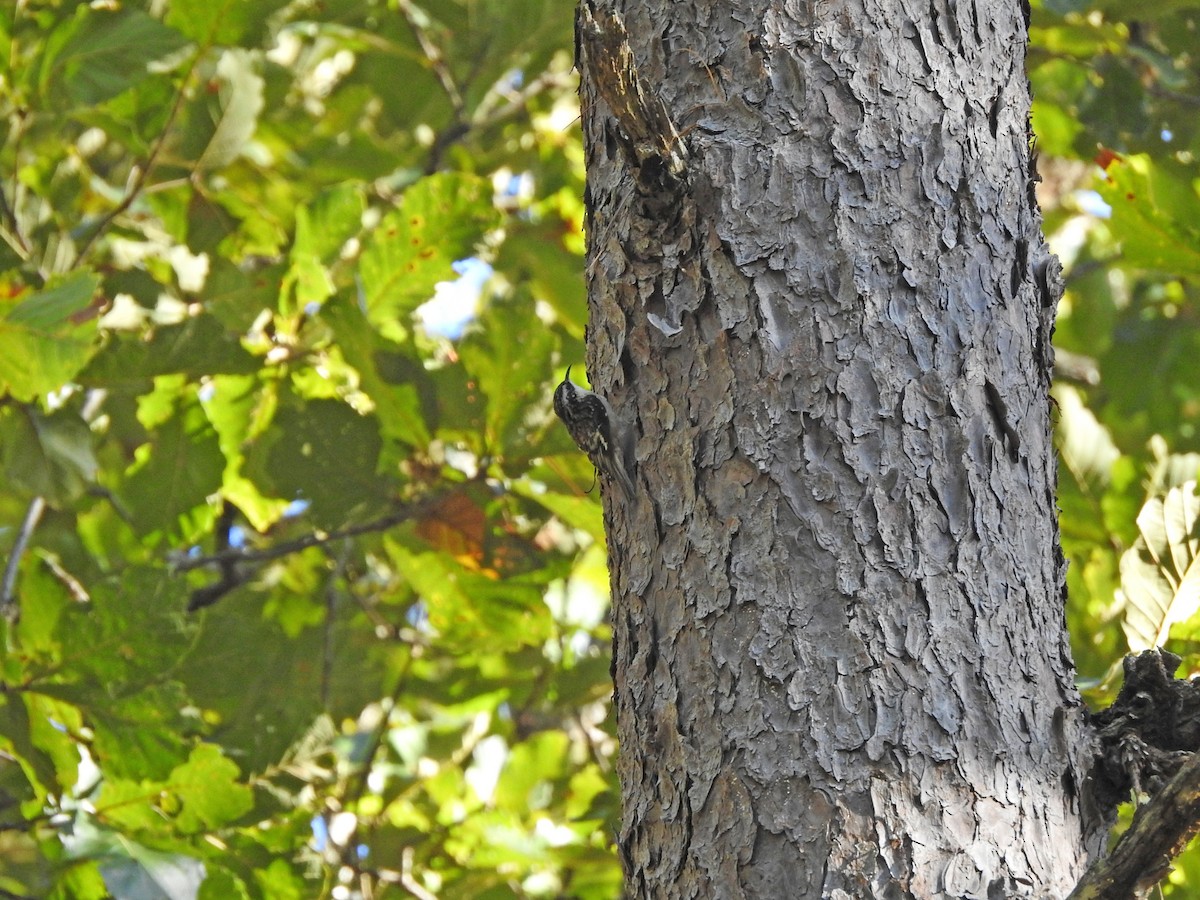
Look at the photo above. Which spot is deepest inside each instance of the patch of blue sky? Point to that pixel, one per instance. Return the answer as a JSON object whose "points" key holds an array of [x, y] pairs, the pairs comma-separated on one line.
{"points": [[455, 303], [1093, 204]]}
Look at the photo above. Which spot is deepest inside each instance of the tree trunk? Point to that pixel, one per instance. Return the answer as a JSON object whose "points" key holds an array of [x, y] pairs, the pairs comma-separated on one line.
{"points": [[820, 294]]}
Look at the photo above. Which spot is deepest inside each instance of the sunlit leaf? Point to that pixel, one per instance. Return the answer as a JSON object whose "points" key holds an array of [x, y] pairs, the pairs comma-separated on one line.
{"points": [[222, 119], [321, 231], [396, 382], [221, 21], [1160, 575], [1155, 215], [465, 607], [47, 337], [441, 219], [196, 347]]}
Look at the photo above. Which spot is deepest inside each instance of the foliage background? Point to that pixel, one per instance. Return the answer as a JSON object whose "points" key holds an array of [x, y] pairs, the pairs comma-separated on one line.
{"points": [[304, 592]]}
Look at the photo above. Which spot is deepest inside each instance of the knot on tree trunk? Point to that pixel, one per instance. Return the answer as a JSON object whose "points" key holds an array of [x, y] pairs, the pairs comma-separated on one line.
{"points": [[1151, 729]]}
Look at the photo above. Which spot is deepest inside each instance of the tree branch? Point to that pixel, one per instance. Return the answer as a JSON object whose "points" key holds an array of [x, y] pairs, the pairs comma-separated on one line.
{"points": [[511, 104], [1160, 831], [143, 173], [11, 232], [419, 25], [286, 548], [1149, 746], [8, 600]]}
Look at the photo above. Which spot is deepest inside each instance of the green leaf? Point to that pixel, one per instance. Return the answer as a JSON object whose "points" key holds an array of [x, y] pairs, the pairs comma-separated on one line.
{"points": [[51, 726], [208, 791], [529, 766], [134, 118], [174, 475], [584, 513], [394, 379], [144, 600], [101, 53], [235, 297], [239, 407], [249, 673], [324, 226], [138, 735], [1155, 215], [503, 34], [81, 881], [466, 608], [321, 231], [222, 21], [441, 219], [16, 740], [508, 351], [221, 884], [324, 452], [197, 347], [59, 301], [46, 339], [44, 601], [264, 688], [48, 456], [221, 121], [120, 681], [279, 882], [538, 251], [1160, 575]]}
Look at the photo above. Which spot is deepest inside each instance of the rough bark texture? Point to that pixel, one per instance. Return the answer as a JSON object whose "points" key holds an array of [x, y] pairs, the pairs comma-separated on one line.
{"points": [[840, 660]]}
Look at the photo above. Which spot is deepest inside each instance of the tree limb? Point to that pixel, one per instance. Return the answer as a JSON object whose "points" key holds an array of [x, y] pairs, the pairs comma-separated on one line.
{"points": [[1160, 831]]}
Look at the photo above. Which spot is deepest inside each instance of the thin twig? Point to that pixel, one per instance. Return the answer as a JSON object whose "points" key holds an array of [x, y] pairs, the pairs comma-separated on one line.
{"points": [[407, 879], [484, 117], [356, 787], [12, 233], [143, 172], [33, 515], [331, 598], [233, 555], [437, 62], [516, 102]]}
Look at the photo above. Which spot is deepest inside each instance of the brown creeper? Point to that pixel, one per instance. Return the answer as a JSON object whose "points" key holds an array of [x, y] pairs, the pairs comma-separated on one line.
{"points": [[597, 430]]}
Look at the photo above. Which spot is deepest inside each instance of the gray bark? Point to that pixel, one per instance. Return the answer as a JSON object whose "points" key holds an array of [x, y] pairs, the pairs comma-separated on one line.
{"points": [[825, 304]]}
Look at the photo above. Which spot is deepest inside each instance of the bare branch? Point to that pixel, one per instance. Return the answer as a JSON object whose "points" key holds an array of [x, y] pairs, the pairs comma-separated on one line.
{"points": [[142, 173], [11, 232], [8, 600], [1160, 831], [286, 548], [513, 103], [418, 24]]}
